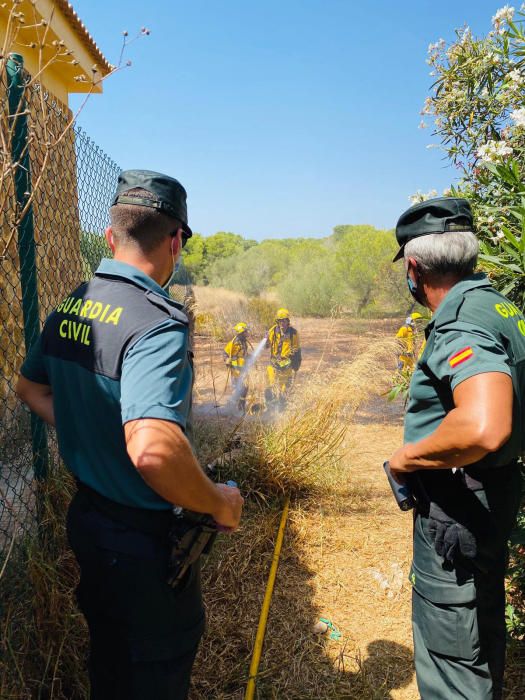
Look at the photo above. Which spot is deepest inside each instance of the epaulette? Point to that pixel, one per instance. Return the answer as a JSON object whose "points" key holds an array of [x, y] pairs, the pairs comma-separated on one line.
{"points": [[450, 312], [170, 306]]}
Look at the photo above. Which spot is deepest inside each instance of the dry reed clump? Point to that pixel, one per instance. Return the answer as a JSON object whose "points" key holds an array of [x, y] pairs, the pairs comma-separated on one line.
{"points": [[44, 638], [301, 452], [218, 310]]}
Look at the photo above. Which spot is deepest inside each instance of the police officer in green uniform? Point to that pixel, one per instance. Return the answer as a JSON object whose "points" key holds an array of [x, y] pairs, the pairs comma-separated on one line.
{"points": [[464, 434], [112, 370]]}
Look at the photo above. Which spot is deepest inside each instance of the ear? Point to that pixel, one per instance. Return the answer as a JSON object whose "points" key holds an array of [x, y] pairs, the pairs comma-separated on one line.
{"points": [[176, 243], [412, 265], [109, 239]]}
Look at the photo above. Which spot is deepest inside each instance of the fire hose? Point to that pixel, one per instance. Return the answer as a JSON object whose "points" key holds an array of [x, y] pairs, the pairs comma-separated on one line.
{"points": [[263, 619]]}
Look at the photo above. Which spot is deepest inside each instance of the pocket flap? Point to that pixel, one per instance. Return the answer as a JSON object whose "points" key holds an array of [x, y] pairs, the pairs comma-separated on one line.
{"points": [[451, 630]]}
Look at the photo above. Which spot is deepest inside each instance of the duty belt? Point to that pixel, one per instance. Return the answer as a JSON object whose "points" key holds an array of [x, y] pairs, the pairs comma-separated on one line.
{"points": [[151, 522]]}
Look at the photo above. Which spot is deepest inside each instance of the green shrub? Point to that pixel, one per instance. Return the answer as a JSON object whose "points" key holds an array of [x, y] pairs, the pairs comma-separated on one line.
{"points": [[93, 247], [478, 107]]}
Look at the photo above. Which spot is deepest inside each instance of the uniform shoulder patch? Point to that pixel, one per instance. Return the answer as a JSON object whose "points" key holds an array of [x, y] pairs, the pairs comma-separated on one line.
{"points": [[171, 307], [449, 337], [462, 355]]}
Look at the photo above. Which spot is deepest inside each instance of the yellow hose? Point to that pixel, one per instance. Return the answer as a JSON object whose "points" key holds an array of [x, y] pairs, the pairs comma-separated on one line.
{"points": [[263, 619]]}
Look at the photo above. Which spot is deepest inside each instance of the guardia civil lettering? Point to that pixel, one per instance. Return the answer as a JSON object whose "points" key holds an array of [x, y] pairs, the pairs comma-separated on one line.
{"points": [[89, 308], [509, 310], [75, 330]]}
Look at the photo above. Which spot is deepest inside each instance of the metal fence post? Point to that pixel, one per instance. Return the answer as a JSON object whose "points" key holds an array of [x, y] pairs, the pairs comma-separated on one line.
{"points": [[26, 239]]}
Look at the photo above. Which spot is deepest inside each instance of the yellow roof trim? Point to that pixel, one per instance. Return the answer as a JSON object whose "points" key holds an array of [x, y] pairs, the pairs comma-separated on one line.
{"points": [[81, 68], [85, 37]]}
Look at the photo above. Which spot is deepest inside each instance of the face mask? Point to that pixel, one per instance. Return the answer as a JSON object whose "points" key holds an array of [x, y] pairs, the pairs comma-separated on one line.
{"points": [[171, 279], [412, 287], [416, 293]]}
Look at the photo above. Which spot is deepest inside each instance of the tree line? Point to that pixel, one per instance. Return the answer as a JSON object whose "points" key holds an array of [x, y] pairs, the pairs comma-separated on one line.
{"points": [[350, 270]]}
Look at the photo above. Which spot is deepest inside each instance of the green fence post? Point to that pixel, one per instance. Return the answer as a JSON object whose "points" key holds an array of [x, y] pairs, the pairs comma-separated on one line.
{"points": [[26, 238]]}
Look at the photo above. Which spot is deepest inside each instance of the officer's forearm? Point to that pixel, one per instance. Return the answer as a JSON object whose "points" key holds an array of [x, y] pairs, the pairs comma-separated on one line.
{"points": [[164, 458], [39, 398], [481, 422], [456, 443]]}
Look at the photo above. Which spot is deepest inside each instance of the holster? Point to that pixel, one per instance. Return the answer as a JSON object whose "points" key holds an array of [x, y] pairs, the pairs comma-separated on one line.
{"points": [[460, 523], [190, 536]]}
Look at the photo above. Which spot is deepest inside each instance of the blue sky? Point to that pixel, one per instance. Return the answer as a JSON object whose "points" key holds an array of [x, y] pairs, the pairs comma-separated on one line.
{"points": [[281, 118]]}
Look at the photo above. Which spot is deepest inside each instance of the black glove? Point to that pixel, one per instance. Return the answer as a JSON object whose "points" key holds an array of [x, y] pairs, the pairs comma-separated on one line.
{"points": [[450, 538]]}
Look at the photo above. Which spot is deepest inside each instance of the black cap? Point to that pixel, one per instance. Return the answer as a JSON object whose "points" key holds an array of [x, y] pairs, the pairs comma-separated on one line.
{"points": [[168, 195], [437, 215]]}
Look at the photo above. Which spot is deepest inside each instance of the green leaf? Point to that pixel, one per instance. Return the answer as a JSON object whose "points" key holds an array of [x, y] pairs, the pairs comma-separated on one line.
{"points": [[511, 237]]}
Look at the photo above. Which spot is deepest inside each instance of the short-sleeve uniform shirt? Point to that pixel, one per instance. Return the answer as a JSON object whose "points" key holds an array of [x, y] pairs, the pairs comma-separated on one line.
{"points": [[115, 350], [474, 330]]}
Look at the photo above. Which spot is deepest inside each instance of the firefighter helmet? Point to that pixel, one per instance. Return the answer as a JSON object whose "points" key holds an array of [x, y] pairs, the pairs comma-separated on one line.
{"points": [[282, 314], [240, 327]]}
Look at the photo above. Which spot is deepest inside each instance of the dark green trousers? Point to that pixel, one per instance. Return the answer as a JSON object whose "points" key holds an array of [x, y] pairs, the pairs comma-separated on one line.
{"points": [[459, 649], [458, 612]]}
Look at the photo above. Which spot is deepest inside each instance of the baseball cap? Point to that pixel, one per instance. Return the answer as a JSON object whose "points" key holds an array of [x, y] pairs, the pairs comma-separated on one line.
{"points": [[438, 215], [169, 196]]}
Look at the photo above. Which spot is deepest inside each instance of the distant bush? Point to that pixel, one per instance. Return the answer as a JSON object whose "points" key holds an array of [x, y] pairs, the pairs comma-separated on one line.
{"points": [[93, 248], [351, 269], [313, 288], [262, 311]]}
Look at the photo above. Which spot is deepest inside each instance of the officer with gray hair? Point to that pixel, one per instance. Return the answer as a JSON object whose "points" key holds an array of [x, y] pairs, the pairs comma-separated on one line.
{"points": [[464, 435]]}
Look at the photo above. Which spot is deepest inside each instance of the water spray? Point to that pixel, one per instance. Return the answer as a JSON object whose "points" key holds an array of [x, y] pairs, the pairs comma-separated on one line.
{"points": [[245, 371]]}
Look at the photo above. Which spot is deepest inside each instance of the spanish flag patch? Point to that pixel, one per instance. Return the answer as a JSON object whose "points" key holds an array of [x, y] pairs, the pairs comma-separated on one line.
{"points": [[461, 356]]}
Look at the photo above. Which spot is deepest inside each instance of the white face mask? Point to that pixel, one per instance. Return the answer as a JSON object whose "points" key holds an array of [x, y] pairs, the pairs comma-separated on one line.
{"points": [[175, 268]]}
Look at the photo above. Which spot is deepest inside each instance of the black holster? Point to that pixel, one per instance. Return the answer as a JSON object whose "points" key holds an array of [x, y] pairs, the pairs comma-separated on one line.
{"points": [[190, 536], [461, 524]]}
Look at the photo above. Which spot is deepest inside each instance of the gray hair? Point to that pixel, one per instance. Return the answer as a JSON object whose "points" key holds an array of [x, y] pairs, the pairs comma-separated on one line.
{"points": [[452, 252]]}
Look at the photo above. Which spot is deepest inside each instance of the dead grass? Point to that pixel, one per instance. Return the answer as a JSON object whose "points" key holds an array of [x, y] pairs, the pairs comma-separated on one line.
{"points": [[44, 638], [218, 310], [343, 538], [301, 453]]}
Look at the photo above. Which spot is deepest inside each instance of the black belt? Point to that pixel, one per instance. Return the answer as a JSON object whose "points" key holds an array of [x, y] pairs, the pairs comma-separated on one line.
{"points": [[151, 522], [477, 477]]}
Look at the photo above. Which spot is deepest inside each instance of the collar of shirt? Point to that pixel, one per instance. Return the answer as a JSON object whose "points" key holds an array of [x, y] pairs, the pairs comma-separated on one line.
{"points": [[130, 273], [479, 279]]}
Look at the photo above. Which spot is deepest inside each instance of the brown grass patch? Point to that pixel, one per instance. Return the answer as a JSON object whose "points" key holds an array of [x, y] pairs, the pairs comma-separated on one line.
{"points": [[44, 637], [218, 310]]}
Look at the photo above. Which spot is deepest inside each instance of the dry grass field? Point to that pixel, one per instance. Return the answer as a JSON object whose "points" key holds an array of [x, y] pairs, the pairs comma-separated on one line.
{"points": [[347, 547], [346, 550]]}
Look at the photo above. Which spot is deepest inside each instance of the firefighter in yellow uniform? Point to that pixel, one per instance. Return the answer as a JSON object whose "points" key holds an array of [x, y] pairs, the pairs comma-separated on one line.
{"points": [[235, 353], [285, 357], [406, 338]]}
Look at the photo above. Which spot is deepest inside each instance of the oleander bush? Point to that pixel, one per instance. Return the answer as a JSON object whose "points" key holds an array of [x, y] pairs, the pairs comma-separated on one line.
{"points": [[477, 104]]}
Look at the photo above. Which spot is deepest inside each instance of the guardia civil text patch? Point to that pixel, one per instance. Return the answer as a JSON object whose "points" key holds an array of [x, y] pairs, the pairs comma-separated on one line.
{"points": [[461, 356]]}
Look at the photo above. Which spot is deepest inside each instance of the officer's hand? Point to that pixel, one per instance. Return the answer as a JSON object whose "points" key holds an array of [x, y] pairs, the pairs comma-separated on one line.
{"points": [[228, 515], [398, 463]]}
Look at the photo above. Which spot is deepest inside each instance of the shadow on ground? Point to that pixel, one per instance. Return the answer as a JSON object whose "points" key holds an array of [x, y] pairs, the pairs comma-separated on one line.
{"points": [[296, 662]]}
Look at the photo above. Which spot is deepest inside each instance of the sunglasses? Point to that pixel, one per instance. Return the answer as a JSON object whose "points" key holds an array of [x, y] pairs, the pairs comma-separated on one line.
{"points": [[185, 236]]}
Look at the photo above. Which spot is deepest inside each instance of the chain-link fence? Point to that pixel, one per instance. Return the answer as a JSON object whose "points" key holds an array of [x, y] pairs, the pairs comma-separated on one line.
{"points": [[54, 209]]}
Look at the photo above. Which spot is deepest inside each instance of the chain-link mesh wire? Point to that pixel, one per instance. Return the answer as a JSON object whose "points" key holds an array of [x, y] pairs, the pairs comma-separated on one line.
{"points": [[70, 182], [43, 256]]}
